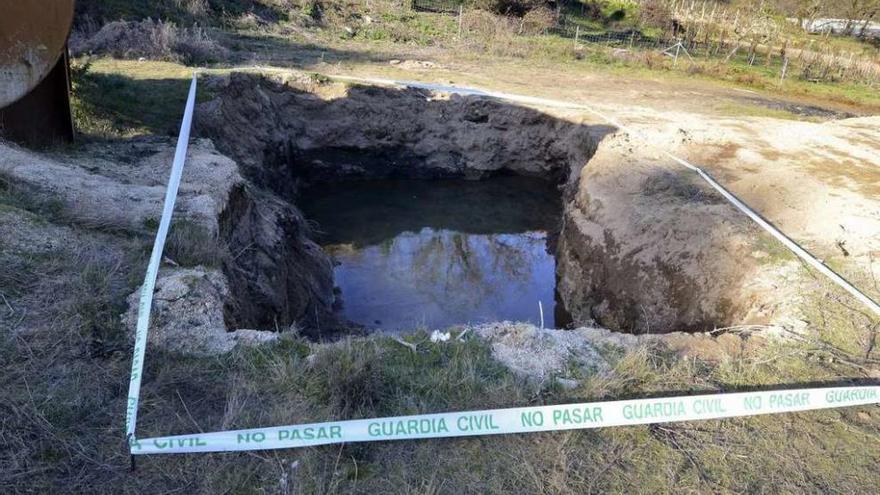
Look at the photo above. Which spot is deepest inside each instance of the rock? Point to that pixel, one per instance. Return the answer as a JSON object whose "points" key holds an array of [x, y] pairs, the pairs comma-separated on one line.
{"points": [[125, 190], [188, 314], [276, 275], [541, 354], [253, 337], [418, 65]]}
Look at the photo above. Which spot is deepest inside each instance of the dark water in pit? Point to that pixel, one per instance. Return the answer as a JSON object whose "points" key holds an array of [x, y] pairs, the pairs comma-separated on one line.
{"points": [[437, 253]]}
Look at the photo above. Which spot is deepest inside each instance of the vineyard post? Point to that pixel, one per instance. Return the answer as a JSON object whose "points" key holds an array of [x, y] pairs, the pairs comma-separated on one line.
{"points": [[784, 68]]}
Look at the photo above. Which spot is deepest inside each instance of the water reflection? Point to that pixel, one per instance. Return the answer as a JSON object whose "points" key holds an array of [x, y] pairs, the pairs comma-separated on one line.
{"points": [[438, 253]]}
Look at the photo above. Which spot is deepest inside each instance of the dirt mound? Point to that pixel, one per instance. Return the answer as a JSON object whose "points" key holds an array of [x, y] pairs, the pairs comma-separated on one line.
{"points": [[647, 247]]}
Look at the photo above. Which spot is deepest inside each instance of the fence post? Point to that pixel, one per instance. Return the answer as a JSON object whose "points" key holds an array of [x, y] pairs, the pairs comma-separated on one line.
{"points": [[784, 68], [577, 34]]}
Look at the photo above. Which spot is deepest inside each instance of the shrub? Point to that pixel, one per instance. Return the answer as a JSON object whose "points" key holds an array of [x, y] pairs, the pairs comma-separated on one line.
{"points": [[150, 39], [655, 14], [195, 8], [614, 11], [538, 21], [492, 32], [517, 8]]}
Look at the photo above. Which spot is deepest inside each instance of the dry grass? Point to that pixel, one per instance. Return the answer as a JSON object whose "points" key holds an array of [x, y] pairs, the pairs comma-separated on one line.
{"points": [[64, 361], [190, 244], [156, 40], [63, 406]]}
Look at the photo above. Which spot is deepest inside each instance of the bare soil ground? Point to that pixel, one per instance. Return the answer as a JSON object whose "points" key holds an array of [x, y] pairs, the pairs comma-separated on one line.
{"points": [[664, 91]]}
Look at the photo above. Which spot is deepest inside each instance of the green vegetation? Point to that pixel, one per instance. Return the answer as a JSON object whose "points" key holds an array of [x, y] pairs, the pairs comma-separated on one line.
{"points": [[120, 98], [190, 244], [180, 11], [356, 31]]}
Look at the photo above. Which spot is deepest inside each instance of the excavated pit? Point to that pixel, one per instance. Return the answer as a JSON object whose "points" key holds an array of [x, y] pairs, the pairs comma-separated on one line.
{"points": [[437, 253], [305, 143]]}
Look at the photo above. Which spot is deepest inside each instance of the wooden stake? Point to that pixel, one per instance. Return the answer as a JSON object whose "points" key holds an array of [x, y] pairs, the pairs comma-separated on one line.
{"points": [[784, 69]]}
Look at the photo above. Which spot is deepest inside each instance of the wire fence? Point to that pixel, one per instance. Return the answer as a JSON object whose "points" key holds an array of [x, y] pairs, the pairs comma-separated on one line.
{"points": [[439, 6], [705, 37]]}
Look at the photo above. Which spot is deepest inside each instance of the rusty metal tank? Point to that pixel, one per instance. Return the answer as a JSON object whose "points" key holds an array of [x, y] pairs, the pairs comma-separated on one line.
{"points": [[33, 34], [34, 71]]}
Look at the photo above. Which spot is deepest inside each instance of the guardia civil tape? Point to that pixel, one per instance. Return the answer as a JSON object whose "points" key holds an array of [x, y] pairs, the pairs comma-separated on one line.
{"points": [[468, 423], [515, 420]]}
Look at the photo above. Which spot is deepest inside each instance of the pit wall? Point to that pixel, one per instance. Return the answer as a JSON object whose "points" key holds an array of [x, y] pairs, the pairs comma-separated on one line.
{"points": [[642, 248], [287, 130]]}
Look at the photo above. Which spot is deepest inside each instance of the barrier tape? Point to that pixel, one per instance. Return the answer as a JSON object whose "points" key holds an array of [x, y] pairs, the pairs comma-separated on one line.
{"points": [[459, 424], [146, 299], [515, 420]]}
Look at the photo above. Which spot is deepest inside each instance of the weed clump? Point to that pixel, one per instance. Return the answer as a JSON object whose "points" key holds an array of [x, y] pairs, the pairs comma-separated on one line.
{"points": [[156, 40], [190, 244]]}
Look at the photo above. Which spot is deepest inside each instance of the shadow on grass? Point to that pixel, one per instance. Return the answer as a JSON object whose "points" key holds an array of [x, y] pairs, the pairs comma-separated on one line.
{"points": [[111, 105], [253, 49], [114, 105]]}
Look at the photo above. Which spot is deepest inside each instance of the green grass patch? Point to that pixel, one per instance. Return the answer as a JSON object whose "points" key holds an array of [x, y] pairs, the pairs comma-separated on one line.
{"points": [[123, 98], [190, 244]]}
